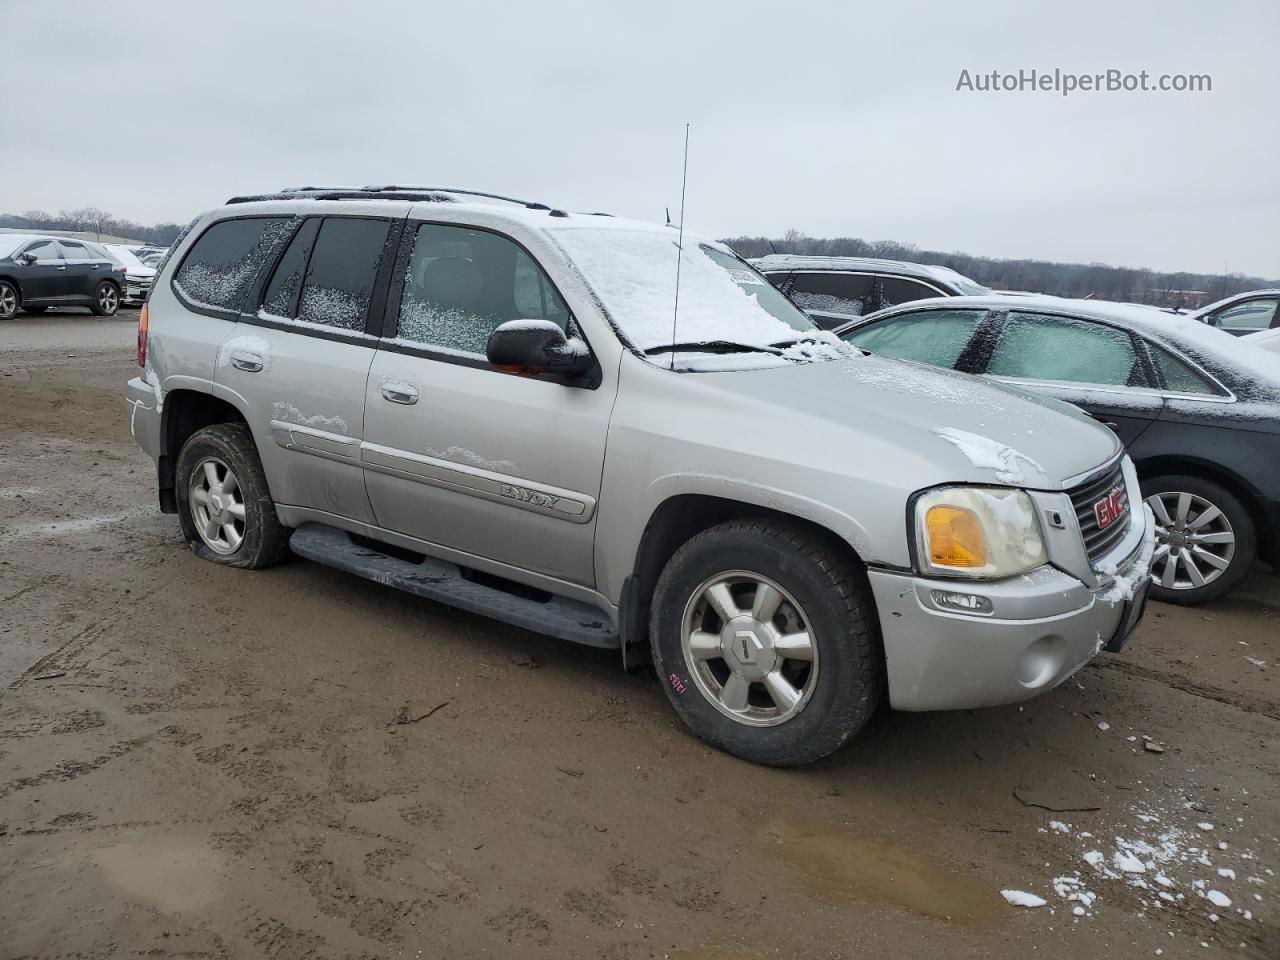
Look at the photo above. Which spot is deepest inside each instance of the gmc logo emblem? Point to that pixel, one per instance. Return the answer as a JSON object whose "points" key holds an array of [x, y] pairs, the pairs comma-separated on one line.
{"points": [[1111, 508]]}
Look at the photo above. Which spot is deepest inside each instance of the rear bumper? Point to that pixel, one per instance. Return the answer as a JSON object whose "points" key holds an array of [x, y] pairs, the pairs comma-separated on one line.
{"points": [[144, 416], [1044, 626]]}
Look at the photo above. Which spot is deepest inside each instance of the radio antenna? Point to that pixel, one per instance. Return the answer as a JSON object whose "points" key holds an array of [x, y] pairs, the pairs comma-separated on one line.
{"points": [[684, 180]]}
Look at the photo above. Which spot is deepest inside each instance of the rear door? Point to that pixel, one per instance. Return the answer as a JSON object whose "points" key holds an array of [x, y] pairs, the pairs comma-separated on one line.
{"points": [[833, 299], [1097, 367], [45, 279], [82, 270], [299, 358], [486, 463]]}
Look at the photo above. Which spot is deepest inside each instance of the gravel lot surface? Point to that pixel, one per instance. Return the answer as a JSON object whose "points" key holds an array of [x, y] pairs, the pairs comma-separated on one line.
{"points": [[204, 762]]}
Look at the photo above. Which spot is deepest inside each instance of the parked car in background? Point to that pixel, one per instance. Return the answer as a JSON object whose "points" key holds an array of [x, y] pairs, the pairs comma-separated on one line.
{"points": [[1244, 313], [1264, 339], [834, 290], [1198, 411], [138, 275], [38, 272], [485, 403]]}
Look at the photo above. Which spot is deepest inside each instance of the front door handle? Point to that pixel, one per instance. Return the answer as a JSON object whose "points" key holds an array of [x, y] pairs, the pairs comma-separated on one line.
{"points": [[248, 362], [400, 393]]}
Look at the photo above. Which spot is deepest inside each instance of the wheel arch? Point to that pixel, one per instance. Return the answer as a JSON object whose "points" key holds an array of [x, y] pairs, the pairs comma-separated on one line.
{"points": [[185, 412], [17, 284], [675, 521]]}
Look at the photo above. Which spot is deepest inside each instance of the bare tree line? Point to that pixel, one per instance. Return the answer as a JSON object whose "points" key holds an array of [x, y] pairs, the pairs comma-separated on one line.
{"points": [[93, 220], [1096, 280]]}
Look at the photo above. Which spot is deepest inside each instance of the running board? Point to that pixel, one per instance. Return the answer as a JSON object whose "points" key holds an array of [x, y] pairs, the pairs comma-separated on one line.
{"points": [[443, 582]]}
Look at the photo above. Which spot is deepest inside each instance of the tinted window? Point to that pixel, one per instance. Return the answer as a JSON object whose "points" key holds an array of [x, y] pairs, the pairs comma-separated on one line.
{"points": [[1253, 315], [344, 264], [44, 250], [897, 290], [935, 337], [1037, 347], [281, 298], [74, 251], [1179, 377], [227, 258], [461, 284], [844, 294]]}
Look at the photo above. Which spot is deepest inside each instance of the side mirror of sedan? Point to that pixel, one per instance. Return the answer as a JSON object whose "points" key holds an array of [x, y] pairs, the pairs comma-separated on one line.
{"points": [[533, 347], [28, 258]]}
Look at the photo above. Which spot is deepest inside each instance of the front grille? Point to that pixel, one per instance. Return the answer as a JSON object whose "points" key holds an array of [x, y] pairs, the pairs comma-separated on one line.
{"points": [[1100, 541]]}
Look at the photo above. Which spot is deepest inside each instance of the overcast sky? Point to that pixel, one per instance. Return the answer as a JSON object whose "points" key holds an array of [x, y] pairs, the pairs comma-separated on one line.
{"points": [[833, 118]]}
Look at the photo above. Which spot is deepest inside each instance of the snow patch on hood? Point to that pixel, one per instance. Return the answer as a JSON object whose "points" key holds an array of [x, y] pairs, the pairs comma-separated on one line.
{"points": [[1010, 465]]}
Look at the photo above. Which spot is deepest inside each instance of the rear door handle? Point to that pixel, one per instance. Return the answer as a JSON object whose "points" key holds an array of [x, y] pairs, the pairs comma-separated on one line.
{"points": [[400, 393], [248, 362]]}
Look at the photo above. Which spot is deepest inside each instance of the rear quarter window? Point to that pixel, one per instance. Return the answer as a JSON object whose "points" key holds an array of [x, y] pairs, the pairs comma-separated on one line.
{"points": [[226, 259]]}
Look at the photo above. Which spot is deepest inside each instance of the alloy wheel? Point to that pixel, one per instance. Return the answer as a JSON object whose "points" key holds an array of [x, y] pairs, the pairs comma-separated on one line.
{"points": [[108, 299], [216, 503], [8, 300], [1194, 541], [749, 648]]}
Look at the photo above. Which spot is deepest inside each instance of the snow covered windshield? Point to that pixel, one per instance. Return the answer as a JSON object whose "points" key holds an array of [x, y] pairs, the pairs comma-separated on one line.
{"points": [[723, 302]]}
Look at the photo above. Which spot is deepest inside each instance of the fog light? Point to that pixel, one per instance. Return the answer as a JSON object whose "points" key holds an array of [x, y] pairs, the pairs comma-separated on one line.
{"points": [[961, 602]]}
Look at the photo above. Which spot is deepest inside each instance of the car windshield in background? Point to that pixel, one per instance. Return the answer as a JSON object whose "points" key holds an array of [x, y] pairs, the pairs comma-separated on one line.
{"points": [[722, 300]]}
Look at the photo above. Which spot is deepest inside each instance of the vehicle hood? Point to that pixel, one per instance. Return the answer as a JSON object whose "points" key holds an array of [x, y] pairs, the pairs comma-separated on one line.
{"points": [[965, 428], [142, 273]]}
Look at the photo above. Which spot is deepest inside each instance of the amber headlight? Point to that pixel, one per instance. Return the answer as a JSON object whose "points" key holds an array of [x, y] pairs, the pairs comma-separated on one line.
{"points": [[979, 532]]}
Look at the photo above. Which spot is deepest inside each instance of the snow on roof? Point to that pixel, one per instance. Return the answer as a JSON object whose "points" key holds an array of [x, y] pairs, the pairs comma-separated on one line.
{"points": [[11, 242], [925, 271]]}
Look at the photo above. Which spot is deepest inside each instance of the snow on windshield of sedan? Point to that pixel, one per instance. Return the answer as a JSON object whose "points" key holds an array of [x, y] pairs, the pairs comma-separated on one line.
{"points": [[633, 272]]}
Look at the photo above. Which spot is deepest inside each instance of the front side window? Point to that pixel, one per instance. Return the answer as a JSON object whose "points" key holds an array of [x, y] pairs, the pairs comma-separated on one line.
{"points": [[935, 337], [898, 290], [840, 294], [226, 259], [340, 275], [1249, 316], [1178, 376], [462, 284], [43, 250], [1038, 347]]}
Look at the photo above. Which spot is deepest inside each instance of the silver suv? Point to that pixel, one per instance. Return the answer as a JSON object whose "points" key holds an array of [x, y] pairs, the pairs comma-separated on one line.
{"points": [[500, 406]]}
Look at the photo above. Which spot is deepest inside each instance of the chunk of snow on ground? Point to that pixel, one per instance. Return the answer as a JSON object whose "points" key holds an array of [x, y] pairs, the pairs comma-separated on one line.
{"points": [[1205, 826], [1104, 726], [1218, 898], [1256, 662], [1020, 898], [1057, 826], [1127, 862], [1226, 873], [1095, 858]]}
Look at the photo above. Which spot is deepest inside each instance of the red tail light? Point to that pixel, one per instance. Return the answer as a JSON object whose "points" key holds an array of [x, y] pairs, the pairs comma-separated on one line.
{"points": [[144, 323]]}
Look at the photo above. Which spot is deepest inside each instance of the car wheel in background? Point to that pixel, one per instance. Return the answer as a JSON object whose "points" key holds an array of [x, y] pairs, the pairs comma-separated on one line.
{"points": [[1205, 539], [763, 635], [8, 300], [224, 505], [106, 299]]}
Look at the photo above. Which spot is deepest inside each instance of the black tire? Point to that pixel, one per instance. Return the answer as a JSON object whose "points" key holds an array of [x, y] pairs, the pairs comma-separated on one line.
{"points": [[34, 309], [10, 299], [106, 299], [1242, 527], [830, 588], [263, 539]]}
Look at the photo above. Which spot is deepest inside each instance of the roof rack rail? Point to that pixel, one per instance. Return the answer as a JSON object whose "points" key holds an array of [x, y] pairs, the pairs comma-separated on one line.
{"points": [[385, 192]]}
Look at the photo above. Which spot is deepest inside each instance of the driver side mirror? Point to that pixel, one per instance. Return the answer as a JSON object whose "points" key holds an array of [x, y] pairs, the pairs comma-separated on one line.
{"points": [[28, 258], [535, 347]]}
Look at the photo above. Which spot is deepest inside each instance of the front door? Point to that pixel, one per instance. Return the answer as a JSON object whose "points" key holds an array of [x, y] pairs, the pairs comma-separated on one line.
{"points": [[456, 453], [45, 278]]}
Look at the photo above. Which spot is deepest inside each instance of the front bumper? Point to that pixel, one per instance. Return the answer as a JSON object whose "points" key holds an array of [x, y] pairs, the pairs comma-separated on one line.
{"points": [[135, 291], [1044, 626]]}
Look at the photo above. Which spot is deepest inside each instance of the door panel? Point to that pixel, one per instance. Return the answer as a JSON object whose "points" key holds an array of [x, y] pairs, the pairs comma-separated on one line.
{"points": [[46, 279], [1127, 413], [81, 274]]}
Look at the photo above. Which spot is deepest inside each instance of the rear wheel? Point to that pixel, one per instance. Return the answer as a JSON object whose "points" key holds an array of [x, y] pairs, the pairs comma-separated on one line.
{"points": [[224, 506], [763, 634], [1205, 539], [8, 300], [106, 299]]}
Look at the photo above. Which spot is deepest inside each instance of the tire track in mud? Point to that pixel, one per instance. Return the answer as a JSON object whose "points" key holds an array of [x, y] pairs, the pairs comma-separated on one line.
{"points": [[1241, 701]]}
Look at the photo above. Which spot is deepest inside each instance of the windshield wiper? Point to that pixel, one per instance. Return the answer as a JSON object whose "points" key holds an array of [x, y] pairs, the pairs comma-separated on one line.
{"points": [[710, 346]]}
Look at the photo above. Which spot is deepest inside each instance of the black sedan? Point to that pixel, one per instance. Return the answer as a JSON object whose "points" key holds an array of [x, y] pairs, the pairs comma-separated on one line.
{"points": [[38, 272], [1198, 411]]}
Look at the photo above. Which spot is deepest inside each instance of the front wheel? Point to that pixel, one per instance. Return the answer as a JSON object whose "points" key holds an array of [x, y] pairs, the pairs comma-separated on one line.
{"points": [[764, 636], [1205, 539], [106, 299], [224, 506], [8, 300]]}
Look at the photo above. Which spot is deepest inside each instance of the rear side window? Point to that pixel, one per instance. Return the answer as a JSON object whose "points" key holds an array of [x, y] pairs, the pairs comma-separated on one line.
{"points": [[841, 294], [338, 284], [1037, 347], [223, 263], [281, 299], [897, 290], [1179, 377], [75, 251], [935, 337]]}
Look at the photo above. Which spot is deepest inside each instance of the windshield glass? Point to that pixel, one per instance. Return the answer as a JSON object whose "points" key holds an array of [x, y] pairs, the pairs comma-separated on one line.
{"points": [[722, 299]]}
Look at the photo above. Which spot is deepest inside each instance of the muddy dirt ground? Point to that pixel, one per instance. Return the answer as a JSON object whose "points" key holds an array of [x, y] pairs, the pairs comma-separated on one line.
{"points": [[295, 763]]}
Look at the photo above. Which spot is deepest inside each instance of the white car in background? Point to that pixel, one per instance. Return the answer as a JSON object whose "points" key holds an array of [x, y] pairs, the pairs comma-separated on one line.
{"points": [[1266, 339], [138, 275]]}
